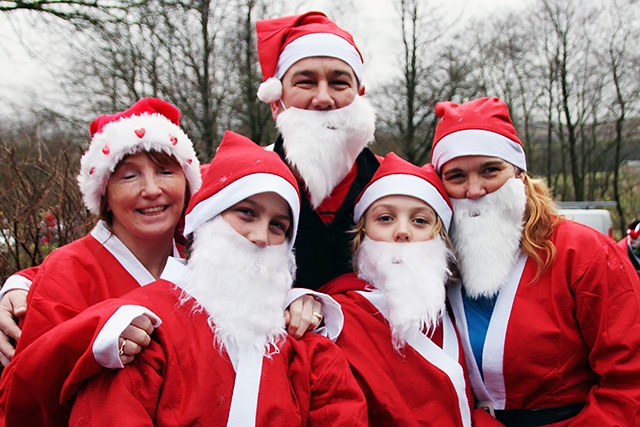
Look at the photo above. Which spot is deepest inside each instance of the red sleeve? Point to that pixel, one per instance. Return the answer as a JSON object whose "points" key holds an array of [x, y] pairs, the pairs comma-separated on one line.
{"points": [[125, 398], [608, 313], [33, 395], [28, 273], [336, 398], [71, 279]]}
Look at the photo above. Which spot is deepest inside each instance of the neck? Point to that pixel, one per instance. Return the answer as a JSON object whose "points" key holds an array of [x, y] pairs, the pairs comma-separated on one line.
{"points": [[152, 253]]}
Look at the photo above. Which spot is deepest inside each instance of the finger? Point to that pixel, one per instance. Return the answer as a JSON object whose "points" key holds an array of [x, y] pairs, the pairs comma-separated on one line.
{"points": [[7, 349], [9, 328], [143, 322], [4, 360], [124, 358], [136, 336]]}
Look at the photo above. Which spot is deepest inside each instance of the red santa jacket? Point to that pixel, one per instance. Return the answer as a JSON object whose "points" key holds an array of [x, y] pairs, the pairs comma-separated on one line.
{"points": [[570, 337], [405, 388], [180, 379]]}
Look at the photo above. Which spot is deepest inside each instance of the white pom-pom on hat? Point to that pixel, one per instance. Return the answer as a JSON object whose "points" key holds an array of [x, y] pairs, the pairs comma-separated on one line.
{"points": [[270, 90]]}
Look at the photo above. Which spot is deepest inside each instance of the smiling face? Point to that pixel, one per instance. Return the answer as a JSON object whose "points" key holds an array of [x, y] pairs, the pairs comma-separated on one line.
{"points": [[317, 83], [263, 219], [471, 177], [400, 219], [145, 199]]}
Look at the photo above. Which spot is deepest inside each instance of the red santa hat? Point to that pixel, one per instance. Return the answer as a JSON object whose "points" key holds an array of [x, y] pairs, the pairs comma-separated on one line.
{"points": [[634, 234], [284, 41], [481, 127], [241, 169], [150, 124], [396, 176]]}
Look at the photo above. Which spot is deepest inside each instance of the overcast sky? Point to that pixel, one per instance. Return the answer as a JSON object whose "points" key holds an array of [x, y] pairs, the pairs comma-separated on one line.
{"points": [[30, 55]]}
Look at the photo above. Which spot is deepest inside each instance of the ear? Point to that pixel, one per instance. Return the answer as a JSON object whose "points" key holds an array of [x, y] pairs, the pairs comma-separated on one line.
{"points": [[276, 109], [361, 91]]}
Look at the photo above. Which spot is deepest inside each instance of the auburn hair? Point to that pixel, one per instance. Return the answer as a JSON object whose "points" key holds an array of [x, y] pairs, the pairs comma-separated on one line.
{"points": [[541, 219]]}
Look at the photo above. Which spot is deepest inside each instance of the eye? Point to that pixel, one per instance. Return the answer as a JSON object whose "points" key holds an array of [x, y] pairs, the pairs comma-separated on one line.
{"points": [[304, 83], [246, 213], [454, 177], [279, 227], [421, 221], [341, 83], [384, 218]]}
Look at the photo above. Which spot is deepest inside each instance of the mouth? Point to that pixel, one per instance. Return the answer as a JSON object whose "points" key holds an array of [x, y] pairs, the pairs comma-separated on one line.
{"points": [[156, 210]]}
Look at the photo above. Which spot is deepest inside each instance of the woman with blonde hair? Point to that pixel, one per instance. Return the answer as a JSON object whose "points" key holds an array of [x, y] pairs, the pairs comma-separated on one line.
{"points": [[548, 309]]}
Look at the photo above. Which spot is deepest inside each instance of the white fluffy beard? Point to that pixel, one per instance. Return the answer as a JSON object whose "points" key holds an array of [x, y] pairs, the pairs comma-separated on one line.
{"points": [[241, 286], [486, 233], [323, 145], [412, 277]]}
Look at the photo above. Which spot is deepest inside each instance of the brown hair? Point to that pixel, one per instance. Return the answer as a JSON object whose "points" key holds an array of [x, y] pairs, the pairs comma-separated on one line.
{"points": [[160, 159], [541, 219]]}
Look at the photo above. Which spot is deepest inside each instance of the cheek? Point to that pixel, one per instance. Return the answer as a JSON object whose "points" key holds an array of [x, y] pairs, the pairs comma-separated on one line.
{"points": [[296, 97], [378, 233], [423, 235], [345, 97], [455, 191]]}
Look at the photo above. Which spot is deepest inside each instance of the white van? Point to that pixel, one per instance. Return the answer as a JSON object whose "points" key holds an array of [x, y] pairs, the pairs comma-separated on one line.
{"points": [[600, 219]]}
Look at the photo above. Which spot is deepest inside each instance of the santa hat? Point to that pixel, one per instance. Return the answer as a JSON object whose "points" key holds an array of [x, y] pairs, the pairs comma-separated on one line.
{"points": [[241, 169], [481, 127], [396, 176], [284, 41], [634, 234], [151, 124]]}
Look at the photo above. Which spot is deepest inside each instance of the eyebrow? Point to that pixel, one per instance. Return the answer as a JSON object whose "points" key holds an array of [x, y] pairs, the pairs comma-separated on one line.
{"points": [[337, 72]]}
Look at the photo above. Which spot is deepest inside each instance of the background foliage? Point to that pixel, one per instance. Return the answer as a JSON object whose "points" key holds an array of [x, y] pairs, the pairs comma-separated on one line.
{"points": [[569, 70]]}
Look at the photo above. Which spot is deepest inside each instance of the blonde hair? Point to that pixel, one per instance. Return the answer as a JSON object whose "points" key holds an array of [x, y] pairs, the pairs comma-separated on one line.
{"points": [[541, 219]]}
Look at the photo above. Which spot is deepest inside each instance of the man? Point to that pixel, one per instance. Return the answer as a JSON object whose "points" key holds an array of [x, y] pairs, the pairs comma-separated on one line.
{"points": [[313, 81], [312, 71], [221, 355]]}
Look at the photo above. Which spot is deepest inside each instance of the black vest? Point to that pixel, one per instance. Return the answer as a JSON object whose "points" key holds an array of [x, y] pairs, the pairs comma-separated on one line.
{"points": [[323, 251]]}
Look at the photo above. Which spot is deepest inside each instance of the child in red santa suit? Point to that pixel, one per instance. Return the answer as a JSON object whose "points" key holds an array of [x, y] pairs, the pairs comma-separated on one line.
{"points": [[220, 355], [398, 335]]}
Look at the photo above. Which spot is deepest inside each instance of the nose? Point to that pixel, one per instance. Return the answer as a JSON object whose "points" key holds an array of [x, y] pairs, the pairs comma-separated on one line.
{"points": [[401, 234], [260, 236], [322, 99], [150, 188], [475, 188]]}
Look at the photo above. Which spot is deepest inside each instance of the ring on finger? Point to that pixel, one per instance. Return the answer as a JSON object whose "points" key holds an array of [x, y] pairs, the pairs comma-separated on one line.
{"points": [[121, 350], [317, 315]]}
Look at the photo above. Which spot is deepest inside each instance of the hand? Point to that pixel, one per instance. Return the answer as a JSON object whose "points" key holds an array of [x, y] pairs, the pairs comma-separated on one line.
{"points": [[13, 307], [134, 338], [303, 314]]}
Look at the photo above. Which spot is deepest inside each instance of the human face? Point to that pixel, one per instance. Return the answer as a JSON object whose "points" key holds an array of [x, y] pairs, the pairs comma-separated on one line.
{"points": [[471, 177], [400, 219], [317, 83], [263, 219], [146, 200]]}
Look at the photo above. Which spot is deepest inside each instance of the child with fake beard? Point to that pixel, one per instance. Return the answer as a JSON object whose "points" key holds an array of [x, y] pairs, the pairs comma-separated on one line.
{"points": [[398, 336], [220, 355]]}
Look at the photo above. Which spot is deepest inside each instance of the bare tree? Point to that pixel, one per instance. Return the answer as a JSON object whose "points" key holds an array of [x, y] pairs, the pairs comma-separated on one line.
{"points": [[41, 206]]}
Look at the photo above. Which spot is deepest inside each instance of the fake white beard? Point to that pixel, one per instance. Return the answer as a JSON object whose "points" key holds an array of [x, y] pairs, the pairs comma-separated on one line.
{"points": [[241, 286], [486, 233], [412, 277], [322, 146]]}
